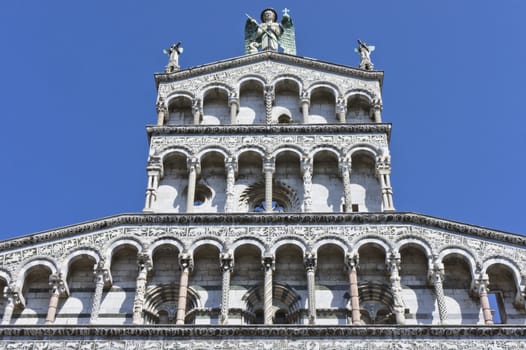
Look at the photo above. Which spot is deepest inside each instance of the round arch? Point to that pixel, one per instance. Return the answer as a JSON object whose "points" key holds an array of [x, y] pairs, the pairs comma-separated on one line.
{"points": [[288, 148], [201, 242], [46, 262], [211, 149], [79, 253], [173, 95], [248, 241], [291, 77], [288, 240], [165, 241], [331, 240], [325, 85], [467, 255]]}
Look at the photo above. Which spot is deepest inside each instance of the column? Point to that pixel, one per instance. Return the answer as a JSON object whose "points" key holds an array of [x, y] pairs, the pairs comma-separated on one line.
{"points": [[352, 265], [481, 285], [269, 101], [162, 111], [345, 168], [58, 288], [227, 265], [341, 109], [268, 267], [186, 265], [13, 298], [304, 105], [376, 110], [268, 170], [233, 102], [102, 277], [231, 169], [306, 169], [193, 169], [437, 277], [153, 170], [383, 170], [144, 265], [310, 267], [393, 266], [197, 111]]}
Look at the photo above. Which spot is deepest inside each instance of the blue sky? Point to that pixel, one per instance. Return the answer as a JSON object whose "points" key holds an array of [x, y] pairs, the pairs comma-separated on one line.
{"points": [[77, 89]]}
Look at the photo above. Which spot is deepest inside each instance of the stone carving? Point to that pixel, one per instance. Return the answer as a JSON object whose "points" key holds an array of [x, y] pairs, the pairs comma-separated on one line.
{"points": [[173, 52], [393, 266], [270, 35], [365, 55], [144, 265], [227, 265]]}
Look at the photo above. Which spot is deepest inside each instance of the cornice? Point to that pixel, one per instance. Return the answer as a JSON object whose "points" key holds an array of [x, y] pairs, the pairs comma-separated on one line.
{"points": [[140, 219], [272, 56], [251, 129]]}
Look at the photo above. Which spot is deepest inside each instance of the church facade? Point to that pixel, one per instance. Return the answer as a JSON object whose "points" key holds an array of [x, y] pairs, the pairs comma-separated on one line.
{"points": [[269, 223]]}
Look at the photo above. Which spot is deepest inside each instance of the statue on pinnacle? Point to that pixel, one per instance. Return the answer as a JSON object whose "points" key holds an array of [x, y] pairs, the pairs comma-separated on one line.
{"points": [[269, 35]]}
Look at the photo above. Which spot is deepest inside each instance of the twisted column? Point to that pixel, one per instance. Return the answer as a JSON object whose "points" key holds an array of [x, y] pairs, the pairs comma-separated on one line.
{"points": [[341, 109], [58, 288], [437, 279], [268, 170], [345, 168], [144, 265], [227, 265], [352, 265], [233, 102], [186, 265], [162, 111], [383, 170], [268, 312], [193, 169], [481, 285], [376, 110], [13, 297], [102, 277], [154, 173], [304, 105], [197, 111], [231, 168], [269, 101], [310, 267], [306, 168], [393, 266]]}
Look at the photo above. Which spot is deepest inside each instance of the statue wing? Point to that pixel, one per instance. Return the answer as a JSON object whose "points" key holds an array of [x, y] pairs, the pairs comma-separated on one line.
{"points": [[251, 29], [288, 38]]}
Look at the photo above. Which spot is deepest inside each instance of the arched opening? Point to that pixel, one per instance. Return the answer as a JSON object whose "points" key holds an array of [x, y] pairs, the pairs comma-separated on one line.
{"points": [[358, 109], [502, 294], [457, 283], [332, 286], [211, 184], [251, 103], [287, 102], [366, 192], [250, 175], [173, 184], [180, 111], [284, 119], [36, 294], [376, 303], [289, 182], [215, 107], [327, 187], [285, 305], [290, 271], [322, 106], [205, 281]]}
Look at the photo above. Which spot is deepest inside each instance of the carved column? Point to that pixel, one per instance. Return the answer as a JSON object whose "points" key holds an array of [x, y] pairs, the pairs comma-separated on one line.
{"points": [[268, 267], [306, 169], [393, 266], [193, 170], [13, 298], [186, 265], [481, 285], [268, 170], [383, 170], [231, 169], [437, 277], [144, 265], [269, 101], [227, 264], [197, 111], [58, 288], [352, 265], [345, 168], [310, 266], [102, 277], [341, 109], [233, 102], [376, 111], [154, 174], [304, 104], [162, 111]]}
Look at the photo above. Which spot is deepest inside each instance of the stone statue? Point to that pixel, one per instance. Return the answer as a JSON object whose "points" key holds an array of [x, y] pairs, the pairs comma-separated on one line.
{"points": [[269, 34], [365, 55], [173, 52]]}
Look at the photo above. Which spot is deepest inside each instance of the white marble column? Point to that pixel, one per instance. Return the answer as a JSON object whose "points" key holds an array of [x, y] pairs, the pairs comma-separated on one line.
{"points": [[186, 265], [144, 265], [102, 277], [268, 311], [58, 288], [269, 102], [193, 170], [341, 109], [345, 168], [304, 105], [376, 110], [306, 171], [352, 265], [437, 278], [162, 111], [227, 265], [153, 170], [233, 102], [383, 170], [268, 170], [481, 285], [197, 111], [310, 267], [13, 298], [231, 169], [393, 266]]}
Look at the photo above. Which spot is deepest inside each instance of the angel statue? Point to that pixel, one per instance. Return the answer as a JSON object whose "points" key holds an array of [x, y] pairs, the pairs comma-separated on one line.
{"points": [[173, 52], [365, 54], [269, 34]]}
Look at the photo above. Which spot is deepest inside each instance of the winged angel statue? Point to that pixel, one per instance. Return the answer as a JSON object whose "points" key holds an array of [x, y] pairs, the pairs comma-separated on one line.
{"points": [[270, 35]]}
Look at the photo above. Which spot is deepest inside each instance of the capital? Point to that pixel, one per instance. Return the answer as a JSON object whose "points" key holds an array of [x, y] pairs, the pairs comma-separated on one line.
{"points": [[186, 262], [227, 262], [193, 164], [269, 165], [268, 263], [310, 261], [352, 261], [196, 106], [231, 165], [58, 285]]}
